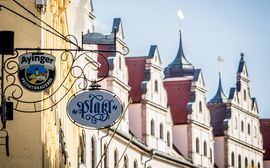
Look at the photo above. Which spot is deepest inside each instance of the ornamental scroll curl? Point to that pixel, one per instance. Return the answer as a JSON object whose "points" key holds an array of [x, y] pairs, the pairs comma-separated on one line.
{"points": [[78, 62]]}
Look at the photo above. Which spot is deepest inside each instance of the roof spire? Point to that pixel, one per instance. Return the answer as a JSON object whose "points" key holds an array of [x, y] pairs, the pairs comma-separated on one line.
{"points": [[180, 66], [242, 56], [241, 64], [220, 97], [181, 18]]}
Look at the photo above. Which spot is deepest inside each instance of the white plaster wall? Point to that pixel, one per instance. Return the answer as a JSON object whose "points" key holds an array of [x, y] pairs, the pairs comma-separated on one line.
{"points": [[120, 68], [122, 93], [159, 97], [199, 118], [134, 153], [78, 18], [235, 130], [151, 140], [252, 140], [244, 152], [203, 135], [168, 129], [202, 116]]}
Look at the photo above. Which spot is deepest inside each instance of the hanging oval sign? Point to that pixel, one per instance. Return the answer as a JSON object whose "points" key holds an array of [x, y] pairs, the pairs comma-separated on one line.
{"points": [[94, 108], [36, 71]]}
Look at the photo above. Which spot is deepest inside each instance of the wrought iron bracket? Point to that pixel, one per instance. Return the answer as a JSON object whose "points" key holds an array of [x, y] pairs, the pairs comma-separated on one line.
{"points": [[75, 74]]}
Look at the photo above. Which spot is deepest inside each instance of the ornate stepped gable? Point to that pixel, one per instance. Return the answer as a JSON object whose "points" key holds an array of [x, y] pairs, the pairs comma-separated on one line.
{"points": [[117, 24], [149, 100], [140, 67], [218, 103], [236, 120]]}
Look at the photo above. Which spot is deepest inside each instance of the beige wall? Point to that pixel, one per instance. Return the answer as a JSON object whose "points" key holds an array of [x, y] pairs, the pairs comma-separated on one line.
{"points": [[25, 130]]}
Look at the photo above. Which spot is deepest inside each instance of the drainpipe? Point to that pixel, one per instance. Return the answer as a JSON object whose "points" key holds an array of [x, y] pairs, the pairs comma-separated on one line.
{"points": [[152, 154], [107, 133]]}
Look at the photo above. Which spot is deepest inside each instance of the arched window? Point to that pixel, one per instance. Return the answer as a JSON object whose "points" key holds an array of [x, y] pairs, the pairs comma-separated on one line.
{"points": [[82, 148], [125, 161], [135, 164], [235, 123], [120, 63], [168, 139], [245, 95], [242, 126], [156, 86], [197, 145], [106, 157], [115, 158], [200, 106], [161, 131], [239, 161], [232, 159], [93, 152], [252, 163], [152, 127], [255, 132], [246, 162], [204, 148], [259, 165], [211, 157], [248, 129]]}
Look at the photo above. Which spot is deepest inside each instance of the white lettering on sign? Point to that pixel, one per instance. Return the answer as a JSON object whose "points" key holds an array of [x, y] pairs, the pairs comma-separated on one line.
{"points": [[94, 108]]}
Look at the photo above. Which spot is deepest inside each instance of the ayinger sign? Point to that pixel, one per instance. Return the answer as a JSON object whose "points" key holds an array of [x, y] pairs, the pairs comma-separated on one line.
{"points": [[94, 109], [36, 71]]}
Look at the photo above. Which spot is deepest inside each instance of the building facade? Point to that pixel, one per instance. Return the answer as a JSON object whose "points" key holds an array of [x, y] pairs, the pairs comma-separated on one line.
{"points": [[192, 132], [130, 142], [236, 127], [166, 120]]}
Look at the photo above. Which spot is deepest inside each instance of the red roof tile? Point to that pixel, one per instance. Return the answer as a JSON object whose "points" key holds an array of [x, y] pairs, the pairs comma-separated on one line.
{"points": [[265, 130], [136, 69], [178, 96]]}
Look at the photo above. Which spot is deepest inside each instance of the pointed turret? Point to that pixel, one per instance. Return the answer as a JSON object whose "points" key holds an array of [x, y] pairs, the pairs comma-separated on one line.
{"points": [[241, 66], [180, 66], [220, 97], [242, 73], [117, 24]]}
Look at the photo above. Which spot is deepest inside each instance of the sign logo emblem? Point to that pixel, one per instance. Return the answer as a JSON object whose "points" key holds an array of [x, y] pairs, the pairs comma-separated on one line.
{"points": [[94, 109], [36, 71]]}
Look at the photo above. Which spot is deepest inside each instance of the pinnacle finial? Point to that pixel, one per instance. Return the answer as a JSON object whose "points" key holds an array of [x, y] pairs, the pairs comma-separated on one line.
{"points": [[242, 56], [181, 18], [220, 61]]}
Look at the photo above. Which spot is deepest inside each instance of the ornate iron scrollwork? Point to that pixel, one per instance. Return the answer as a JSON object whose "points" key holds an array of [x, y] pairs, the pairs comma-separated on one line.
{"points": [[76, 72]]}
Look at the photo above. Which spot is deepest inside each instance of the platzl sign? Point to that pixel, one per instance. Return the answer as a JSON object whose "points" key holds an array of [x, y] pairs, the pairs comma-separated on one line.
{"points": [[36, 71], [94, 108]]}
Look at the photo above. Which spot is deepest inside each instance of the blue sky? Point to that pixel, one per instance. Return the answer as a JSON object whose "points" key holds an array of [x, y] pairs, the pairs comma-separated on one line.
{"points": [[211, 28]]}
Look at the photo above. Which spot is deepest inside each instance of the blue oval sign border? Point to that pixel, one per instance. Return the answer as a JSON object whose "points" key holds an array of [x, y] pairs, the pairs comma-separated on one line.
{"points": [[94, 109]]}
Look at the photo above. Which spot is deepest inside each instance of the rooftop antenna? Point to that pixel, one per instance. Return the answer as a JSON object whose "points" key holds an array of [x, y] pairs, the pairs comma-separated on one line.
{"points": [[181, 18]]}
